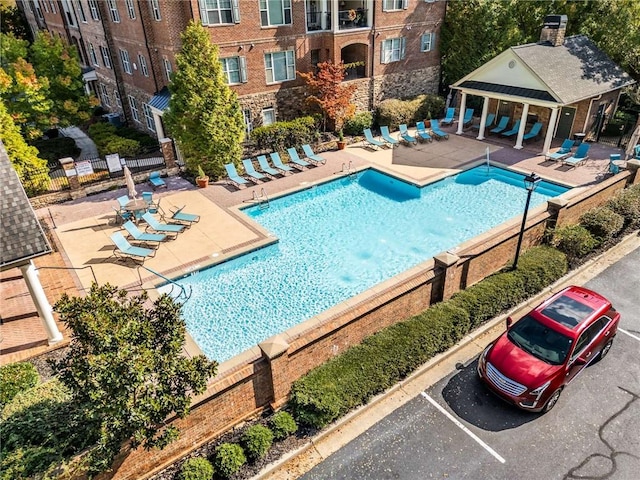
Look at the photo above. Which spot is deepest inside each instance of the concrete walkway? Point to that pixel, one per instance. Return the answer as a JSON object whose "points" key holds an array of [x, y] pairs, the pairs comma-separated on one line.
{"points": [[84, 143]]}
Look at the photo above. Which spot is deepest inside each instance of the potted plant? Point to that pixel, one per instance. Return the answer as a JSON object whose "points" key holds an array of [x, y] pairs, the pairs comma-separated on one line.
{"points": [[341, 142], [202, 179]]}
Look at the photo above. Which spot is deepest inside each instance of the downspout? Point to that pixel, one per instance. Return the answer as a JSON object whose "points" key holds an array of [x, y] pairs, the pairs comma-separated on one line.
{"points": [[373, 55]]}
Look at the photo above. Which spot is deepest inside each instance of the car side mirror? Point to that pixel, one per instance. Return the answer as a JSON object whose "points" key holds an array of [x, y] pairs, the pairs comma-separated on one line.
{"points": [[509, 322]]}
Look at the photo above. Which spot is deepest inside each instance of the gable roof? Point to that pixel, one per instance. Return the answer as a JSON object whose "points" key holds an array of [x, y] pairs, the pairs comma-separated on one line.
{"points": [[21, 236]]}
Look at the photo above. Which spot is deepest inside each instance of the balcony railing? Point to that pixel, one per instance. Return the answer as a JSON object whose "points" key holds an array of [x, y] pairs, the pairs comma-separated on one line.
{"points": [[317, 21], [352, 18]]}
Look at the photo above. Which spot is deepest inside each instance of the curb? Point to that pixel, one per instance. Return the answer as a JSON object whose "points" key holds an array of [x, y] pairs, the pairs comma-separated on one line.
{"points": [[293, 463]]}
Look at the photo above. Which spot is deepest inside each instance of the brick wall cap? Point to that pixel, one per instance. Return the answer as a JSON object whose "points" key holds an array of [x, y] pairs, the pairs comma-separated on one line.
{"points": [[65, 160], [558, 202], [274, 347], [633, 164], [446, 259]]}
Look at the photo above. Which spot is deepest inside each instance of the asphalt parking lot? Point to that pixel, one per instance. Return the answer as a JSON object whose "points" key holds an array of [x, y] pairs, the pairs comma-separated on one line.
{"points": [[457, 429]]}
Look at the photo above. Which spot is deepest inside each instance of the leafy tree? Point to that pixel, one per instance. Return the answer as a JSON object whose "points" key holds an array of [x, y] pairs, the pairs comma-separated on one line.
{"points": [[330, 94], [204, 115], [125, 367]]}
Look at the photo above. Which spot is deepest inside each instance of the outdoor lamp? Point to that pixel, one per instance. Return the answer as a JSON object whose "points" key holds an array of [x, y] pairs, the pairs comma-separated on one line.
{"points": [[530, 183]]}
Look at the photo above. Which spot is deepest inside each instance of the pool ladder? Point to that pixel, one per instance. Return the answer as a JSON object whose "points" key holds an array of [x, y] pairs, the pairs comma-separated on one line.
{"points": [[262, 199], [183, 294], [348, 169]]}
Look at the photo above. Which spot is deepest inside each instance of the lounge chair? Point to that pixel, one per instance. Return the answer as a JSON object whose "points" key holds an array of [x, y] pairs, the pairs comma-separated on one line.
{"points": [[143, 237], [435, 129], [421, 131], [155, 225], [614, 167], [502, 125], [156, 181], [468, 117], [277, 162], [312, 156], [368, 137], [386, 136], [296, 160], [490, 118], [123, 200], [266, 168], [233, 177], [579, 157], [124, 249], [187, 219], [449, 117], [251, 171], [405, 136], [636, 152], [564, 151], [534, 132], [513, 130]]}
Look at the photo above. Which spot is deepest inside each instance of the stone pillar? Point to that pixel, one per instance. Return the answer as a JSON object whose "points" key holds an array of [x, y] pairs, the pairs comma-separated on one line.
{"points": [[523, 125], [169, 154], [30, 275], [72, 176], [634, 167], [483, 119], [448, 262], [556, 208], [274, 350], [463, 107]]}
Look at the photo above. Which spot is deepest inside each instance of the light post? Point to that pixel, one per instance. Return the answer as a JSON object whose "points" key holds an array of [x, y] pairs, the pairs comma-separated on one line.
{"points": [[530, 183]]}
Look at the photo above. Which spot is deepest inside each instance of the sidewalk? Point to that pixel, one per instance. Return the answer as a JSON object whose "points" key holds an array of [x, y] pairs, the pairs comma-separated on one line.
{"points": [[84, 143], [298, 462]]}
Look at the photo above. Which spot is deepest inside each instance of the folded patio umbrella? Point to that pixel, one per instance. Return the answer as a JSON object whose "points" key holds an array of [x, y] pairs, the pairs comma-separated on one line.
{"points": [[131, 186]]}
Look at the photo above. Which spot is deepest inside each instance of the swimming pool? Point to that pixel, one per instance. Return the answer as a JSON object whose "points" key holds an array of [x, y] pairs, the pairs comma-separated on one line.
{"points": [[337, 240]]}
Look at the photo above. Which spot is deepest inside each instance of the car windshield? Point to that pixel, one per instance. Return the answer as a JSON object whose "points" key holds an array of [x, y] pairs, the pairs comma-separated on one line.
{"points": [[540, 341]]}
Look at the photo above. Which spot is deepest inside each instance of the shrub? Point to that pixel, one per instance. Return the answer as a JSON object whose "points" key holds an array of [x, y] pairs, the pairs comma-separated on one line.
{"points": [[574, 240], [228, 459], [125, 147], [602, 223], [257, 441], [56, 148], [197, 468], [357, 124], [15, 378], [627, 204], [394, 112], [282, 425], [280, 135]]}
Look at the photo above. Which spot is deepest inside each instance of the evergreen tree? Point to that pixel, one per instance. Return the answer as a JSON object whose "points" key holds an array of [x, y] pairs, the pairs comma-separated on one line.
{"points": [[204, 115]]}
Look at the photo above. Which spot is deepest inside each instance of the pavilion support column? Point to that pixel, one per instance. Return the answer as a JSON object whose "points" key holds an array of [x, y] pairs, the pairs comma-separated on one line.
{"points": [[30, 275], [550, 128], [523, 126], [463, 107], [158, 124], [483, 118]]}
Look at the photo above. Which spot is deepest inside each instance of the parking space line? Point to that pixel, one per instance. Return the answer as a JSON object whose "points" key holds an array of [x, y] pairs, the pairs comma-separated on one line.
{"points": [[628, 333], [463, 428]]}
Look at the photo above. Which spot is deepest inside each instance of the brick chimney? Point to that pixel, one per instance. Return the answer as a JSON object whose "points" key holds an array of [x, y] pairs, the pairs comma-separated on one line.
{"points": [[553, 30]]}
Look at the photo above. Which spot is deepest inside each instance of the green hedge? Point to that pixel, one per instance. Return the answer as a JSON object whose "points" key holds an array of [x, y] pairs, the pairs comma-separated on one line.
{"points": [[15, 378], [393, 112], [228, 459], [282, 425], [380, 361], [627, 204], [54, 149], [280, 135], [602, 222], [357, 124], [574, 240], [257, 441], [124, 141]]}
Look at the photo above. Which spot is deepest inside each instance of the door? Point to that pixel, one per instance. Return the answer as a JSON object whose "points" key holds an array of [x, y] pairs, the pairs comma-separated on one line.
{"points": [[584, 351], [565, 122]]}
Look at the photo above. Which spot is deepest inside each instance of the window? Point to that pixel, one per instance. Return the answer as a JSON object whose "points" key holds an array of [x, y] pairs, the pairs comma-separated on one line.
{"points": [[315, 58], [104, 95], [235, 69], [155, 8], [80, 10], [106, 59], [92, 54], [68, 13], [427, 41], [131, 10], [280, 66], [394, 4], [275, 12], [143, 65], [53, 5], [113, 10], [116, 95], [246, 114], [38, 10], [268, 116], [392, 50], [46, 9], [126, 65], [133, 105], [214, 12], [148, 116], [93, 8], [168, 69]]}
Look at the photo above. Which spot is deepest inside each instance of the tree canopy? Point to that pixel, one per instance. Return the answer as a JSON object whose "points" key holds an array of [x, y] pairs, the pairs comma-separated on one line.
{"points": [[204, 115]]}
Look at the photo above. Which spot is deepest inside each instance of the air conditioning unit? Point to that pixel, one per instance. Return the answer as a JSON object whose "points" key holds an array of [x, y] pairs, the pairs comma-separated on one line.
{"points": [[113, 119]]}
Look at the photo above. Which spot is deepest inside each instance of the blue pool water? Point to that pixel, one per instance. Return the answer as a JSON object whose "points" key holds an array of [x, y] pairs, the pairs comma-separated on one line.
{"points": [[339, 239]]}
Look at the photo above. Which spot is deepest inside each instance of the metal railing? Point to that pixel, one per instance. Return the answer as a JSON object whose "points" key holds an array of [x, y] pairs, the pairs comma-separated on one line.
{"points": [[183, 291], [316, 20]]}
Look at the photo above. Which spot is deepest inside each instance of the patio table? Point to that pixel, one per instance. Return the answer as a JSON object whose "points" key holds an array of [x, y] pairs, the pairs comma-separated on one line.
{"points": [[137, 207]]}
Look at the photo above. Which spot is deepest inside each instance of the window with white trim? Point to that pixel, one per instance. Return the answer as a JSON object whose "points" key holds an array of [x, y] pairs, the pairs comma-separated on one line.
{"points": [[143, 65], [106, 58], [113, 11], [394, 5], [80, 10], [280, 66], [275, 12], [38, 10], [131, 9], [216, 12], [104, 95], [246, 115], [92, 54], [155, 9], [133, 106], [268, 116], [93, 8], [46, 9], [53, 5], [116, 95], [148, 116], [235, 69], [168, 69], [427, 42], [126, 64], [392, 50]]}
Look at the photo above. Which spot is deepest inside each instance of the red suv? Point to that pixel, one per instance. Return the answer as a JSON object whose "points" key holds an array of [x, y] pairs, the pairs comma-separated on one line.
{"points": [[531, 362]]}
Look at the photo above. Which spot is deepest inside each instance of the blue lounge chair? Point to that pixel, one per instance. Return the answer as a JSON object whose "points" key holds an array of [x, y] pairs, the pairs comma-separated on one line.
{"points": [[233, 177], [449, 117], [579, 157], [155, 225], [277, 162], [265, 167], [187, 219], [636, 152], [123, 249], [156, 181], [513, 131], [468, 117], [404, 135], [368, 137], [123, 200], [435, 129], [534, 132], [312, 156], [502, 125], [251, 171], [421, 131], [614, 167], [490, 118], [143, 237], [386, 136], [564, 151], [296, 160]]}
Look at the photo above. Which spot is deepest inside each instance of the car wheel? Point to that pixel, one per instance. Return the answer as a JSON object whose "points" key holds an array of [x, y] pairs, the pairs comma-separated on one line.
{"points": [[552, 401], [605, 349]]}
